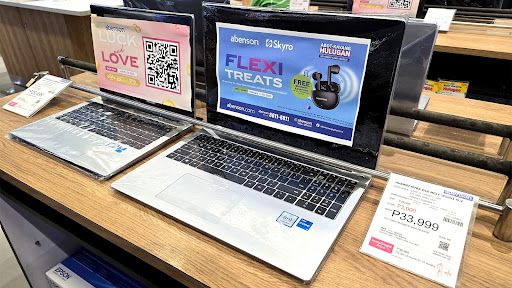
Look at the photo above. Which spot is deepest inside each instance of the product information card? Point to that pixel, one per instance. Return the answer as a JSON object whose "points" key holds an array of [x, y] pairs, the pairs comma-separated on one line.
{"points": [[305, 83], [422, 228], [440, 16], [30, 101]]}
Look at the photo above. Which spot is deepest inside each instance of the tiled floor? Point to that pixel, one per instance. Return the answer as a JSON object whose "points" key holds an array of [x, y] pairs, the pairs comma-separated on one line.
{"points": [[11, 275]]}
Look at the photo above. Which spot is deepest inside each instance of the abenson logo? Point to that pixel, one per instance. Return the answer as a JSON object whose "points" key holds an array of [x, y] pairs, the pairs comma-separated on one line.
{"points": [[240, 108], [114, 28], [116, 35], [242, 40], [458, 195], [329, 49]]}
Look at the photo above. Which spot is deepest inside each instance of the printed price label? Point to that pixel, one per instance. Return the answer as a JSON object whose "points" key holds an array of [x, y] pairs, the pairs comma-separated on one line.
{"points": [[440, 16], [422, 228], [30, 101]]}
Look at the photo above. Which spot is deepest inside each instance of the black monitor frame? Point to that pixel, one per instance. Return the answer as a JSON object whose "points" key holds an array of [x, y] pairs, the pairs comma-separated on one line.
{"points": [[386, 35]]}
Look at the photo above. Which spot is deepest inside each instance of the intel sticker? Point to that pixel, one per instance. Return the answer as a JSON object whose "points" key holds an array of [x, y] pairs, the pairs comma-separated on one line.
{"points": [[287, 219], [304, 224]]}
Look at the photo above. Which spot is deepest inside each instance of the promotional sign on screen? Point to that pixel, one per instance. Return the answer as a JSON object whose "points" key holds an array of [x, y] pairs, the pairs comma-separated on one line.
{"points": [[305, 83], [144, 59]]}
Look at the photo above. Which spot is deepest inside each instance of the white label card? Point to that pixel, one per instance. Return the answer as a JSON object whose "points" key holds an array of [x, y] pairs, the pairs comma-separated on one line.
{"points": [[30, 101], [440, 16], [422, 228], [301, 5]]}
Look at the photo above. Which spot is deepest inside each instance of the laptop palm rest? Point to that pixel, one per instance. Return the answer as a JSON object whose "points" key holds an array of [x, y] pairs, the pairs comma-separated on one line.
{"points": [[200, 197]]}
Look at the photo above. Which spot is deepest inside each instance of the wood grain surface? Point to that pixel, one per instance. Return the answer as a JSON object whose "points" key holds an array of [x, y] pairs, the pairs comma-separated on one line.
{"points": [[52, 35], [475, 142], [470, 108], [195, 259], [485, 184], [31, 40], [15, 46], [491, 42]]}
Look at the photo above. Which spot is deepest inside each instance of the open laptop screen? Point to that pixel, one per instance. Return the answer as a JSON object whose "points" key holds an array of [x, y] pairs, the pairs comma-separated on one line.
{"points": [[317, 96], [145, 55], [319, 82]]}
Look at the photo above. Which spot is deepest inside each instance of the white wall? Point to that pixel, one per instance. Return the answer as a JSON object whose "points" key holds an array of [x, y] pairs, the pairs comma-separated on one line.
{"points": [[2, 65]]}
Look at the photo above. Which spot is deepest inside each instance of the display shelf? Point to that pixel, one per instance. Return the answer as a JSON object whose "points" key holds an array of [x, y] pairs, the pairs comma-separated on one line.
{"points": [[492, 41], [196, 259]]}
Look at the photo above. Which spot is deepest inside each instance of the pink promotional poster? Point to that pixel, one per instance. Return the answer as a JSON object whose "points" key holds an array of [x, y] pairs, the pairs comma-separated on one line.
{"points": [[144, 59], [395, 7]]}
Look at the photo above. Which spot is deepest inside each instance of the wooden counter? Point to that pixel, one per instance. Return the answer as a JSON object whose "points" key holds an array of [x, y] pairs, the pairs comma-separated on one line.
{"points": [[196, 259], [476, 40], [31, 40]]}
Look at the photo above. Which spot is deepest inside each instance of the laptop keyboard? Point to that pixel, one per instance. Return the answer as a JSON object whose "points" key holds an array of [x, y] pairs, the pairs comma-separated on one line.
{"points": [[118, 125], [315, 190]]}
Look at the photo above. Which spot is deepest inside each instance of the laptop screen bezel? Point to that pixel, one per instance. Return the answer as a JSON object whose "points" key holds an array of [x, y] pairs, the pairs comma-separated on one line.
{"points": [[365, 156], [155, 16]]}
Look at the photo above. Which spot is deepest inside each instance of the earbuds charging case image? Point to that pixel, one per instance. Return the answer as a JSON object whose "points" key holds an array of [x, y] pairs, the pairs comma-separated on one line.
{"points": [[325, 96]]}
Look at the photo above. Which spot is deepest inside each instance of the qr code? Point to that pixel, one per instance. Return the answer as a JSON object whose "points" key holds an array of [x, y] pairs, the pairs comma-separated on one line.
{"points": [[162, 59], [444, 246], [400, 4]]}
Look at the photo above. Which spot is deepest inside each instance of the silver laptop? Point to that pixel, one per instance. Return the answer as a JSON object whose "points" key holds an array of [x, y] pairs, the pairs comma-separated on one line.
{"points": [[255, 183], [105, 135]]}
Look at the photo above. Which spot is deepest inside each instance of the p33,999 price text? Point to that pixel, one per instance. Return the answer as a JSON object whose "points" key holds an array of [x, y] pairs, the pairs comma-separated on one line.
{"points": [[395, 214]]}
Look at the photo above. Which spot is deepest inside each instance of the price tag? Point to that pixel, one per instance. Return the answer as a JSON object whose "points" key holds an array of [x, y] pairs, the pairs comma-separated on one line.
{"points": [[422, 228], [30, 101], [440, 16], [302, 5]]}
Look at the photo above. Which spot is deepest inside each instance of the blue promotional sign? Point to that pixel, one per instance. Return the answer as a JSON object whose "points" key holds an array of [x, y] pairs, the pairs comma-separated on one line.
{"points": [[305, 83]]}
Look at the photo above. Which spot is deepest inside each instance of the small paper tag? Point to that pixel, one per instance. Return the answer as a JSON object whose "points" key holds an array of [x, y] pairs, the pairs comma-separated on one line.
{"points": [[440, 16], [453, 88], [301, 5], [30, 101]]}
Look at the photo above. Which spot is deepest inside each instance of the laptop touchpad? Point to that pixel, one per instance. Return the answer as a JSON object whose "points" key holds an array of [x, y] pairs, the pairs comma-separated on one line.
{"points": [[200, 197]]}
